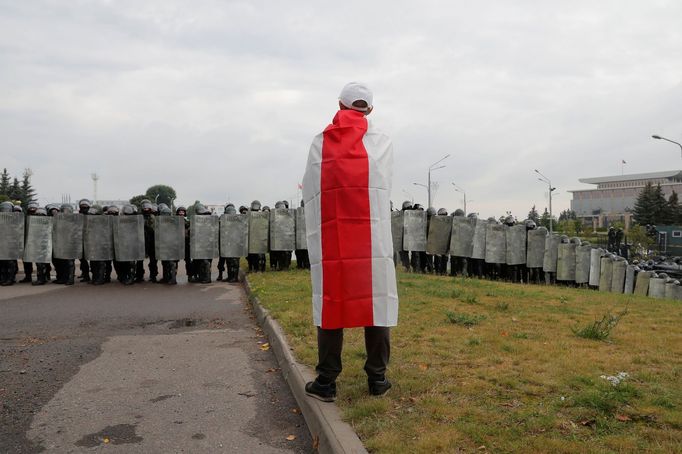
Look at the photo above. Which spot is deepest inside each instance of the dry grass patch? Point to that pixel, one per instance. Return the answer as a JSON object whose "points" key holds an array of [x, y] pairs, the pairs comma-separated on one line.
{"points": [[485, 364]]}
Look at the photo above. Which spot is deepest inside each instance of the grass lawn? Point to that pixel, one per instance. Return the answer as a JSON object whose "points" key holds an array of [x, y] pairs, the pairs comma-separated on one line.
{"points": [[486, 366]]}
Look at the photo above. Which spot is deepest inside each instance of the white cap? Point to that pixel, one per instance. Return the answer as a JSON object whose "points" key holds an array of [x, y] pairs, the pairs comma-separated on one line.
{"points": [[356, 91]]}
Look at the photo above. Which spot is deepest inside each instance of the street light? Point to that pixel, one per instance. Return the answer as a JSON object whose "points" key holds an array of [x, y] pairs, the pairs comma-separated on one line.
{"points": [[458, 189], [433, 167], [544, 179], [668, 140]]}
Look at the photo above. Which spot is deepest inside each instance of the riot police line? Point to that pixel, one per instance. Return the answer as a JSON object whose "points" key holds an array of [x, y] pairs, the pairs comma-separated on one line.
{"points": [[425, 241], [104, 239]]}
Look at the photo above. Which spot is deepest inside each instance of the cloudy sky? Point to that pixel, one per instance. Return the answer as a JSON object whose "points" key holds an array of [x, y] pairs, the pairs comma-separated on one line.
{"points": [[220, 99]]}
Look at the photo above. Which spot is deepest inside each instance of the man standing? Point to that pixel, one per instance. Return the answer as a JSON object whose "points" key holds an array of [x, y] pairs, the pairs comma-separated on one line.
{"points": [[346, 189]]}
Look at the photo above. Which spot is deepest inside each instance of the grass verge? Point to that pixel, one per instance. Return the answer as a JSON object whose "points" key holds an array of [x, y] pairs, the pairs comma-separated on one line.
{"points": [[487, 366]]}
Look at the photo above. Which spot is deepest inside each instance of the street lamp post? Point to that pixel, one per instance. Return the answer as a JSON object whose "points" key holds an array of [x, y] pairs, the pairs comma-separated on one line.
{"points": [[544, 179], [668, 140], [458, 189], [433, 167]]}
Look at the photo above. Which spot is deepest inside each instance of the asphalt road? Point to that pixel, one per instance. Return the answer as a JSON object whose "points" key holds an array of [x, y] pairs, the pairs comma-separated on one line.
{"points": [[145, 368]]}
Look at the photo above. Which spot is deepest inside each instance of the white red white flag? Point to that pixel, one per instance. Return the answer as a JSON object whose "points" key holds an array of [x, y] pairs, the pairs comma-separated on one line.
{"points": [[346, 189]]}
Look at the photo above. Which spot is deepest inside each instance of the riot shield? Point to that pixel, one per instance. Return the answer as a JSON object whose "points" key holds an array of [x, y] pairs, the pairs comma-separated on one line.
{"points": [[566, 261], [38, 245], [606, 274], [496, 243], [282, 230], [234, 235], [595, 266], [12, 234], [438, 239], [98, 241], [203, 237], [259, 227], [462, 236], [169, 237], [657, 287], [630, 273], [128, 238], [618, 279], [414, 230], [478, 240], [669, 288], [301, 241], [516, 244], [397, 230], [582, 264], [535, 249], [549, 262], [67, 236], [642, 282]]}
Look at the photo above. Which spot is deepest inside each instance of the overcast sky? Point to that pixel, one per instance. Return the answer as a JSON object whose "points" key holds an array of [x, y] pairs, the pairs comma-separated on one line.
{"points": [[221, 99]]}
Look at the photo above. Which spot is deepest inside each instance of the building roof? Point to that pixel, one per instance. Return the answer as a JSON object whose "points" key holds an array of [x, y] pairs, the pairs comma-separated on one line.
{"points": [[631, 177]]}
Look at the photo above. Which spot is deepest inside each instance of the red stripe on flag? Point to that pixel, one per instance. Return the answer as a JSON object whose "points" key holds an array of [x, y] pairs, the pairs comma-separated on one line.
{"points": [[345, 224]]}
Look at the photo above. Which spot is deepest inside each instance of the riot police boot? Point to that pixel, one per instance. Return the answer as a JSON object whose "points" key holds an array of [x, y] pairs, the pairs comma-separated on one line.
{"points": [[41, 274], [205, 272], [59, 271], [220, 276], [26, 279], [98, 273], [172, 272], [4, 276], [70, 272]]}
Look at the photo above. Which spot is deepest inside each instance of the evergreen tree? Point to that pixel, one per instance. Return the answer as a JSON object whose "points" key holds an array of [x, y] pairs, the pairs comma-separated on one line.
{"points": [[645, 210], [4, 183], [651, 206], [567, 214], [534, 215], [14, 192], [545, 220], [673, 210], [28, 195]]}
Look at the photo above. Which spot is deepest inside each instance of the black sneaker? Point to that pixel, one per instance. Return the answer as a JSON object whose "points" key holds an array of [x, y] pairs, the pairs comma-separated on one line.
{"points": [[379, 388], [325, 393]]}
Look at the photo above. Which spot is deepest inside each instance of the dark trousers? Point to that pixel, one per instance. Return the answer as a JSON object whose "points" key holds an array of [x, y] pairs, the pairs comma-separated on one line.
{"points": [[85, 269], [330, 344]]}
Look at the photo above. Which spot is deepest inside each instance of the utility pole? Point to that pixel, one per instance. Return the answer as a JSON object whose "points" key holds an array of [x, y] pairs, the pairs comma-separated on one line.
{"points": [[544, 179], [94, 187]]}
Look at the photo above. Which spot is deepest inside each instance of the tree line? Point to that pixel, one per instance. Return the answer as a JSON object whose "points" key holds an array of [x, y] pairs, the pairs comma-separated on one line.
{"points": [[17, 190], [652, 207]]}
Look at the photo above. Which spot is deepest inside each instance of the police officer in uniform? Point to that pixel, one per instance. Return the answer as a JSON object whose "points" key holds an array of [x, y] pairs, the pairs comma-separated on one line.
{"points": [[229, 209], [169, 268], [148, 210], [84, 206], [7, 267], [31, 210]]}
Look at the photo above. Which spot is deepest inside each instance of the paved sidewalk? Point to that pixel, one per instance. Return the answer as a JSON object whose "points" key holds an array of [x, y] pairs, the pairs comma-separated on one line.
{"points": [[147, 368]]}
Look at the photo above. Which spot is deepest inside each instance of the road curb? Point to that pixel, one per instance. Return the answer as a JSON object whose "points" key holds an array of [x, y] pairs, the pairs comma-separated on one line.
{"points": [[330, 434]]}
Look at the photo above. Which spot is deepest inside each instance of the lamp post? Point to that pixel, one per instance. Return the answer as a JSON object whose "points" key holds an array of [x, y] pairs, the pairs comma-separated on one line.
{"points": [[433, 167], [668, 140], [458, 189], [544, 179]]}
